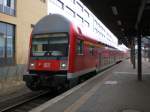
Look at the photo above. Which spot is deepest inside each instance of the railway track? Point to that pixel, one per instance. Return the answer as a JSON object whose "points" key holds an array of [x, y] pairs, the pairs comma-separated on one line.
{"points": [[29, 101], [26, 102]]}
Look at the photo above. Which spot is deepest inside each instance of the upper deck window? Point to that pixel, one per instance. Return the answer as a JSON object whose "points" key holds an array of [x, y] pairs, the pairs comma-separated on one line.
{"points": [[91, 50]]}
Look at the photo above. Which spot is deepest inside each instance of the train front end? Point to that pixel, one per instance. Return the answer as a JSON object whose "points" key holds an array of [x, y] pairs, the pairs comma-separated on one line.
{"points": [[48, 59]]}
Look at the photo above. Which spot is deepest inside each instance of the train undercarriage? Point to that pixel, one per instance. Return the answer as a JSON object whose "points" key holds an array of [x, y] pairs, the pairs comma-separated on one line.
{"points": [[53, 81]]}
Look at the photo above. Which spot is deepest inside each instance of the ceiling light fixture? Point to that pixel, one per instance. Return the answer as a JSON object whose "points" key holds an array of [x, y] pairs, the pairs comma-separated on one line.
{"points": [[122, 29], [114, 10], [119, 22], [148, 1]]}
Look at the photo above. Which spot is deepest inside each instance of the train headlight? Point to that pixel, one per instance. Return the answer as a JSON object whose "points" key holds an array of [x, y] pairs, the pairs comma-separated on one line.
{"points": [[32, 65], [63, 66]]}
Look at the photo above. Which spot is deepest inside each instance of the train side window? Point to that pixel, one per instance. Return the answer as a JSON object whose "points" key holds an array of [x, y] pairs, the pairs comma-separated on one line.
{"points": [[79, 48], [91, 50]]}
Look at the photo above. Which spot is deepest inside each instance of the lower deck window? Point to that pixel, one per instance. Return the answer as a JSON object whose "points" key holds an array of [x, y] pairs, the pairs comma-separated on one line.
{"points": [[7, 36]]}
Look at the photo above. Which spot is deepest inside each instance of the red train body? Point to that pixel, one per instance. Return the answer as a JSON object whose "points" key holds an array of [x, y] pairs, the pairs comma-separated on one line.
{"points": [[60, 54]]}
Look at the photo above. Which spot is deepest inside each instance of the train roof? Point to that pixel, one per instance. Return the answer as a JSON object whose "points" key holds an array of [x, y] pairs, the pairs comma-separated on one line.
{"points": [[59, 23], [52, 23]]}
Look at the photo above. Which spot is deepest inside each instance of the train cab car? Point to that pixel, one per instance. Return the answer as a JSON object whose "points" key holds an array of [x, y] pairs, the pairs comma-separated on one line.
{"points": [[60, 54], [52, 59]]}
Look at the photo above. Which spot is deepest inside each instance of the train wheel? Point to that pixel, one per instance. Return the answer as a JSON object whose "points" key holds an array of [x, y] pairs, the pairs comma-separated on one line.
{"points": [[33, 85], [73, 82]]}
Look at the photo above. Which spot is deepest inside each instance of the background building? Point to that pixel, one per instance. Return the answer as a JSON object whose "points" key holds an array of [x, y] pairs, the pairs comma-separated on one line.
{"points": [[17, 18], [77, 12]]}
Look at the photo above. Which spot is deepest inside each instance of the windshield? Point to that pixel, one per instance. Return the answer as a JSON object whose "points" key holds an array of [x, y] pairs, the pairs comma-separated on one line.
{"points": [[50, 45]]}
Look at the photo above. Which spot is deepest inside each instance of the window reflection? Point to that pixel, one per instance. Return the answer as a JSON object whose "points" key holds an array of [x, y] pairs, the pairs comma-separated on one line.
{"points": [[9, 46], [8, 7], [2, 45], [6, 43]]}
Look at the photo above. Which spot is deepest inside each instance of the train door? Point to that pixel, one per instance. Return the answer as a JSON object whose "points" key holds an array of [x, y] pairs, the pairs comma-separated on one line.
{"points": [[100, 61]]}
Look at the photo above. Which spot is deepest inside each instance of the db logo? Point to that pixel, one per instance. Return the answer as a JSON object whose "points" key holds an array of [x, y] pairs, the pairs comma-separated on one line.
{"points": [[46, 65]]}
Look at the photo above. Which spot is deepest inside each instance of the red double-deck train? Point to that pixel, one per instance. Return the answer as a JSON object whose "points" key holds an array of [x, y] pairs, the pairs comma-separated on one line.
{"points": [[60, 54]]}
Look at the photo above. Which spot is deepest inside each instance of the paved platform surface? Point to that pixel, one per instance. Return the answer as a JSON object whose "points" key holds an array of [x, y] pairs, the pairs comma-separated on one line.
{"points": [[115, 90]]}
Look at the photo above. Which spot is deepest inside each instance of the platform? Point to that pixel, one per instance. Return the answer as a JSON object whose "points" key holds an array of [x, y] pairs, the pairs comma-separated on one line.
{"points": [[114, 90]]}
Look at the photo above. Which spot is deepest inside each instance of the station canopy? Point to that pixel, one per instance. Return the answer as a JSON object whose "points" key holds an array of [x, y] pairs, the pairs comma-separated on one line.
{"points": [[125, 18]]}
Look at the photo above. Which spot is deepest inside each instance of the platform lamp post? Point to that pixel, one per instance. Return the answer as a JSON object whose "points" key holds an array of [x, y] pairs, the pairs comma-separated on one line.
{"points": [[134, 54], [148, 52], [138, 27], [139, 58], [131, 54]]}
